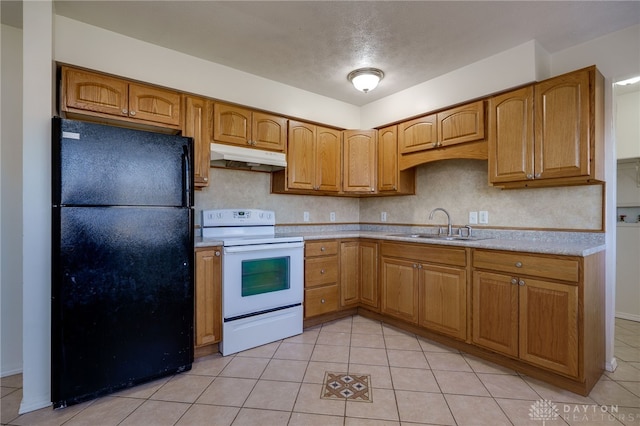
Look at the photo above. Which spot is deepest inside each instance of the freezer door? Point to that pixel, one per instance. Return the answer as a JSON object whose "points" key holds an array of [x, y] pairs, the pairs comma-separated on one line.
{"points": [[101, 165], [122, 298]]}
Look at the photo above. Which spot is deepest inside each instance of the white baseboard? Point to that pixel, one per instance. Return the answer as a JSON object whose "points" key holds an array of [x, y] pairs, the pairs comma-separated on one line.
{"points": [[33, 405], [11, 372], [630, 317], [611, 365]]}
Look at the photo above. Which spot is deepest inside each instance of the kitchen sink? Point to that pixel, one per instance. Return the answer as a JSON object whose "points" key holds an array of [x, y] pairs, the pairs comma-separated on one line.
{"points": [[440, 237]]}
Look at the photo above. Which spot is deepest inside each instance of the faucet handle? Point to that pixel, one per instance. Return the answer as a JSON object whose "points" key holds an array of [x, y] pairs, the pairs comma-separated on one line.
{"points": [[469, 230]]}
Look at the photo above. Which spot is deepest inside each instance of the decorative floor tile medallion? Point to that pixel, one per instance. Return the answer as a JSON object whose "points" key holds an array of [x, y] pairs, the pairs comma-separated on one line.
{"points": [[349, 386]]}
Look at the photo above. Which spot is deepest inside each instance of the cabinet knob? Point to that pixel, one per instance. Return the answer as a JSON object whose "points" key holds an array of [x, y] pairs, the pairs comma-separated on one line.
{"points": [[321, 300], [321, 248], [373, 189], [322, 271], [415, 265], [537, 175], [395, 188], [529, 176], [217, 254], [125, 111], [521, 282], [132, 113], [514, 281], [205, 179], [518, 264]]}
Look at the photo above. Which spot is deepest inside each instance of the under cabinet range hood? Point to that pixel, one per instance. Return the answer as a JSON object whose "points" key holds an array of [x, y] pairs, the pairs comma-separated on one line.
{"points": [[246, 158]]}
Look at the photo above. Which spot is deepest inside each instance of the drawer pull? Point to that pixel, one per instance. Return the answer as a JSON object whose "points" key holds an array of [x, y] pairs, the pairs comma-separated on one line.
{"points": [[518, 264], [322, 248], [217, 253], [321, 300], [514, 281], [521, 282], [322, 271]]}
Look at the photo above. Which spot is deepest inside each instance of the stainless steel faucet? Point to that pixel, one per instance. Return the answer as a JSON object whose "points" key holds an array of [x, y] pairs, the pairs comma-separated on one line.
{"points": [[449, 231]]}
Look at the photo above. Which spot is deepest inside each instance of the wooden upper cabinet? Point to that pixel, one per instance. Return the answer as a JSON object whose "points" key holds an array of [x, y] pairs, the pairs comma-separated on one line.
{"points": [[461, 124], [390, 178], [510, 136], [95, 94], [418, 134], [562, 140], [153, 104], [328, 159], [244, 127], [359, 161], [197, 125], [313, 157], [89, 91], [548, 134]]}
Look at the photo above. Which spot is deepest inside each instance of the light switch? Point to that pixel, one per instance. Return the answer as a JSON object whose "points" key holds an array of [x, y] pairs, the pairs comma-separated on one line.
{"points": [[305, 215], [332, 216], [473, 218], [484, 217], [383, 217]]}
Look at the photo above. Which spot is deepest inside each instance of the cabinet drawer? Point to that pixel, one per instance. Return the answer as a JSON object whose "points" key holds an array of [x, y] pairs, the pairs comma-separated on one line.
{"points": [[320, 270], [320, 300], [321, 248], [566, 269], [425, 253]]}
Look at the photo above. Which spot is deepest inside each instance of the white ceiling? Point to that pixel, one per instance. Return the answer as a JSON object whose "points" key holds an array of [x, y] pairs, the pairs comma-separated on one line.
{"points": [[313, 45]]}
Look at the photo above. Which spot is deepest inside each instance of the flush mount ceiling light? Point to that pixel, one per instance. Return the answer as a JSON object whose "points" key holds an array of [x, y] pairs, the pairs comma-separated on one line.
{"points": [[365, 79]]}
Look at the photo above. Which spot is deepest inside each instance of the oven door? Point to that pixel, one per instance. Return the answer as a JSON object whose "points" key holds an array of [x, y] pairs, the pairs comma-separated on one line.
{"points": [[261, 277]]}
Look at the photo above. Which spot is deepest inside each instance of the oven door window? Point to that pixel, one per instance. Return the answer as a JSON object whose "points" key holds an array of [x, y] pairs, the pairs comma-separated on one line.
{"points": [[261, 276]]}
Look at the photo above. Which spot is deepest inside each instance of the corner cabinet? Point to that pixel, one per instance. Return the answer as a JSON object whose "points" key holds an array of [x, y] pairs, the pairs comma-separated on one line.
{"points": [[359, 165], [244, 127], [548, 134], [208, 296], [92, 94], [197, 125], [359, 274], [391, 180]]}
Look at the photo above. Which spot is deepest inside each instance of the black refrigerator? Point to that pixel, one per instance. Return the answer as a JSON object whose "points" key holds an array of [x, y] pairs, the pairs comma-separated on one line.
{"points": [[122, 258]]}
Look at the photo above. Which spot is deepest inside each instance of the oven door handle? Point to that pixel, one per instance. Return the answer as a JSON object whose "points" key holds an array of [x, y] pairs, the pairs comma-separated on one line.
{"points": [[262, 247]]}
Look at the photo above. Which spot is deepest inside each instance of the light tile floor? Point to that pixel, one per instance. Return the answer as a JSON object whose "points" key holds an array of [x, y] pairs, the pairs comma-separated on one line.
{"points": [[413, 381]]}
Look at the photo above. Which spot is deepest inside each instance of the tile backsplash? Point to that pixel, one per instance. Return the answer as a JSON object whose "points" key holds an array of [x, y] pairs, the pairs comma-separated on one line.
{"points": [[460, 186]]}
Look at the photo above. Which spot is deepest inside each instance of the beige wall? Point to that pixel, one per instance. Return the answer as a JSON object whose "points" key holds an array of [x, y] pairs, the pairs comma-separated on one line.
{"points": [[459, 186]]}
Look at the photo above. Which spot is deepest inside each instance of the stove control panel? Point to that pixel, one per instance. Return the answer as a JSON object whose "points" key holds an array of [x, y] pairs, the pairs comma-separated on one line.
{"points": [[237, 217]]}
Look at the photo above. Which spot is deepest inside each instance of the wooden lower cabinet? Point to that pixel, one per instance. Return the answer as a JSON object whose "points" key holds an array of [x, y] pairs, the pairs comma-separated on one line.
{"points": [[442, 304], [208, 296], [399, 289], [359, 274], [321, 277], [534, 319]]}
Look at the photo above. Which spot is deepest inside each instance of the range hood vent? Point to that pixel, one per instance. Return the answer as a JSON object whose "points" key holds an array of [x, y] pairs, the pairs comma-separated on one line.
{"points": [[237, 157]]}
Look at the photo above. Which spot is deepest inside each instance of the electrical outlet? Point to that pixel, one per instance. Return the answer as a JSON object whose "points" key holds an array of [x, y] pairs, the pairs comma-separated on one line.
{"points": [[305, 216], [383, 217], [473, 218], [484, 217], [332, 216]]}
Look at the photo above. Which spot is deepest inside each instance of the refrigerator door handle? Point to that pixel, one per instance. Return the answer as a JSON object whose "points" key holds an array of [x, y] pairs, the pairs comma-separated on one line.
{"points": [[186, 168]]}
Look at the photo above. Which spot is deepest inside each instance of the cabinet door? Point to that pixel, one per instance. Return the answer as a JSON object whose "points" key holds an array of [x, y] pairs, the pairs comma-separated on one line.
{"points": [[495, 312], [328, 159], [388, 175], [562, 123], [94, 92], [231, 124], [359, 164], [349, 273], [461, 124], [549, 325], [510, 141], [443, 300], [418, 134], [399, 289], [269, 132], [154, 104], [301, 161], [368, 258], [208, 297], [197, 125]]}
